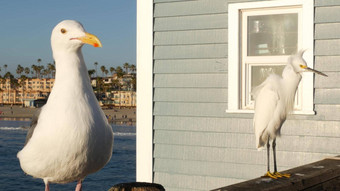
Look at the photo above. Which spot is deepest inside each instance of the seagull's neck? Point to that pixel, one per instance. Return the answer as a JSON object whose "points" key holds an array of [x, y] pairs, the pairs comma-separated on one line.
{"points": [[71, 73]]}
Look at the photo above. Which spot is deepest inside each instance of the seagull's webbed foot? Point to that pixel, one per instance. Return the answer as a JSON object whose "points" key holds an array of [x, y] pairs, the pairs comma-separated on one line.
{"points": [[270, 175], [280, 175]]}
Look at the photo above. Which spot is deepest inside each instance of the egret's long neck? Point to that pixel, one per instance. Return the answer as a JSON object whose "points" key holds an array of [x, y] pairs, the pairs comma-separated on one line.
{"points": [[291, 81], [71, 74]]}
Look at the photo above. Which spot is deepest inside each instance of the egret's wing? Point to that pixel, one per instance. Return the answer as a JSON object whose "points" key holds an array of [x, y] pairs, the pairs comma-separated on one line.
{"points": [[32, 125], [266, 101]]}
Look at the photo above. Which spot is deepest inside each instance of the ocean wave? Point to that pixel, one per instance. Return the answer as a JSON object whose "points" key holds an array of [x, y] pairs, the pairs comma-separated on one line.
{"points": [[22, 128], [11, 128]]}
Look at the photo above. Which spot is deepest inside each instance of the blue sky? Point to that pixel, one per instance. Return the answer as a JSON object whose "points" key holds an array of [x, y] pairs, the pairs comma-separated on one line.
{"points": [[25, 29]]}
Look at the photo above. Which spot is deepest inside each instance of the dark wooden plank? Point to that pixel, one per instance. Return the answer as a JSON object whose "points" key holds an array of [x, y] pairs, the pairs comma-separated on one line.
{"points": [[321, 175]]}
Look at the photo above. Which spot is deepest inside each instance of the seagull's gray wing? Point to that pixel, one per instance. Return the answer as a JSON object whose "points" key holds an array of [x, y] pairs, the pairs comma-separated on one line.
{"points": [[32, 125]]}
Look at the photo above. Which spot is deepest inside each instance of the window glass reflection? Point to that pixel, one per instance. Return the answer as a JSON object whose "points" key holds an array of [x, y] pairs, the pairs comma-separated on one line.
{"points": [[270, 35]]}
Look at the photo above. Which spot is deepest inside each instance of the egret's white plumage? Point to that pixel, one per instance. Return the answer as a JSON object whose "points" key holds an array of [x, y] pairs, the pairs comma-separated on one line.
{"points": [[71, 137], [274, 99]]}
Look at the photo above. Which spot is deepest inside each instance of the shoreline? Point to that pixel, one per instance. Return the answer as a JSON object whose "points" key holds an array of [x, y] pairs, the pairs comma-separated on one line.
{"points": [[115, 115]]}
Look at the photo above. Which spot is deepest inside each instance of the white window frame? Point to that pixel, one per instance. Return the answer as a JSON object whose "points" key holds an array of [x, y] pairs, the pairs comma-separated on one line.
{"points": [[274, 60], [234, 83]]}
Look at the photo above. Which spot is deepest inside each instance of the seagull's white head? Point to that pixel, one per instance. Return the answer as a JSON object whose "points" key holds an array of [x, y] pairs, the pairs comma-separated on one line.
{"points": [[299, 64], [70, 35]]}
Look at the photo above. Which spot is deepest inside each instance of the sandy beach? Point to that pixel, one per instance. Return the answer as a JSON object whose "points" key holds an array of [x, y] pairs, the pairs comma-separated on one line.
{"points": [[115, 115]]}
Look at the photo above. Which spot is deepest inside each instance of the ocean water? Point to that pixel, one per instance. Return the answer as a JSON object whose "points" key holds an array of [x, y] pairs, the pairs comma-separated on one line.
{"points": [[121, 168]]}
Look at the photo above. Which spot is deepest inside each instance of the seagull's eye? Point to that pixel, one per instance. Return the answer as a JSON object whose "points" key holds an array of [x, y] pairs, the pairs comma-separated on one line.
{"points": [[63, 30]]}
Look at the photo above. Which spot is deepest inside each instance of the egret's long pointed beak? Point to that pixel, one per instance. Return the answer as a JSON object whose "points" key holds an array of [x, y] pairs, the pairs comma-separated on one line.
{"points": [[308, 69], [90, 39]]}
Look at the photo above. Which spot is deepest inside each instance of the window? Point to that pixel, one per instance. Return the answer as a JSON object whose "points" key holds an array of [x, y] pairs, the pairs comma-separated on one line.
{"points": [[262, 35]]}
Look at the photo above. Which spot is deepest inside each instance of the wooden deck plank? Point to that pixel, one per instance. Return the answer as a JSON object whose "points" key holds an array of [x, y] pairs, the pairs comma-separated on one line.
{"points": [[314, 176]]}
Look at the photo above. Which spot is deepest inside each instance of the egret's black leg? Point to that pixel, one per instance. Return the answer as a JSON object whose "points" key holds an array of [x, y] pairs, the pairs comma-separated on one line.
{"points": [[276, 173], [274, 154], [269, 174], [268, 156]]}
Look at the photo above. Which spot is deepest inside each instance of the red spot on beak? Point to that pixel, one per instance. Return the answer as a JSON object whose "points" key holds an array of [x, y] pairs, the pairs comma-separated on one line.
{"points": [[95, 44]]}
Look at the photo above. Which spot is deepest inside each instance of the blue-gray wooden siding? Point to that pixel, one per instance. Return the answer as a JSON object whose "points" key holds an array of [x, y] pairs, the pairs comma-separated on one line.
{"points": [[197, 145]]}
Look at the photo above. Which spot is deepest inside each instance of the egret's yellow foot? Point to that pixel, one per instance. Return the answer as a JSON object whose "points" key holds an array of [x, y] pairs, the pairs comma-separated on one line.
{"points": [[270, 175], [279, 175]]}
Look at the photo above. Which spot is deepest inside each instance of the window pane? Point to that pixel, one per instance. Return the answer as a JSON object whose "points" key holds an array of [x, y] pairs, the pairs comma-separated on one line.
{"points": [[272, 34], [260, 73]]}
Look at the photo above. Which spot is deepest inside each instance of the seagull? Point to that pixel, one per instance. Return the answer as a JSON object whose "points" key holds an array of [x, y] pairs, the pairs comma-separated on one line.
{"points": [[274, 99], [70, 137]]}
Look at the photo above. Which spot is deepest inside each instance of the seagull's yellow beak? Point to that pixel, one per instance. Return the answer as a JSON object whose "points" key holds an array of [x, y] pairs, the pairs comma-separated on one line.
{"points": [[90, 39]]}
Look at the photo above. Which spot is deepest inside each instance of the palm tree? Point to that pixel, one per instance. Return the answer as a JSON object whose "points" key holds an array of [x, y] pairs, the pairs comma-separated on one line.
{"points": [[115, 84], [126, 66], [112, 69], [8, 75], [95, 65], [119, 72], [51, 69], [133, 82], [39, 60], [44, 73], [106, 72], [22, 83], [2, 81], [40, 69], [102, 68], [132, 68], [91, 72], [35, 70], [13, 83], [19, 70], [27, 70], [5, 66]]}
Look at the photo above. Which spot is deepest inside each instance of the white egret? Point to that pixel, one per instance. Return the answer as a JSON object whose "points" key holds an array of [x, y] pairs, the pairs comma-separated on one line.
{"points": [[70, 138], [274, 99]]}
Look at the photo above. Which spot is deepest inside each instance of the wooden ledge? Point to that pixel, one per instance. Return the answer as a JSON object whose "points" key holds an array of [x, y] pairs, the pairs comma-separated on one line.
{"points": [[321, 175]]}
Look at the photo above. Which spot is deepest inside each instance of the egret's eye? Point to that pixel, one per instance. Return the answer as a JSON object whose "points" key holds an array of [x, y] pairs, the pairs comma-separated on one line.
{"points": [[63, 30], [302, 66]]}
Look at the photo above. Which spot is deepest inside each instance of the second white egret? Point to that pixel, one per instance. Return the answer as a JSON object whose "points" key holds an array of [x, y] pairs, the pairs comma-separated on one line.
{"points": [[274, 99]]}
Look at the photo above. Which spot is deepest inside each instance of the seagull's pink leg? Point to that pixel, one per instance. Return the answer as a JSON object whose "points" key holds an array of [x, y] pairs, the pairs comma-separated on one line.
{"points": [[47, 186], [78, 187]]}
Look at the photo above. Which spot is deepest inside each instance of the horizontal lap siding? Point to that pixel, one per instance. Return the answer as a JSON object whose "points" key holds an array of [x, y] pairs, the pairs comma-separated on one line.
{"points": [[191, 66], [216, 36], [191, 51], [327, 59], [308, 144], [197, 22], [224, 155], [190, 79], [191, 8], [197, 145], [205, 95]]}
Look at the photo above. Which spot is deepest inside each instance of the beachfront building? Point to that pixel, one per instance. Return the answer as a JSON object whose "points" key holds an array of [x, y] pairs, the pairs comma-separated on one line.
{"points": [[24, 91], [197, 63], [122, 83], [120, 99]]}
